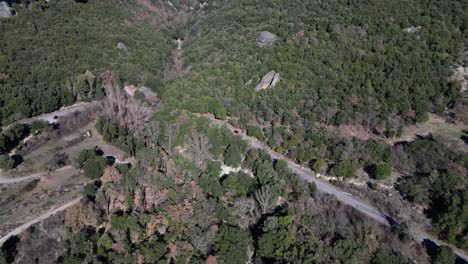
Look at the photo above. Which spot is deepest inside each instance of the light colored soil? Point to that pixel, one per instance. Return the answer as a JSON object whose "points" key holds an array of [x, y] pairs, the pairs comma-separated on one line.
{"points": [[25, 201]]}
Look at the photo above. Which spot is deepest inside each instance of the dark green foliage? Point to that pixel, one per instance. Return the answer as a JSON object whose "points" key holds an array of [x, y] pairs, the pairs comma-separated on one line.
{"points": [[48, 46], [344, 169], [90, 191], [79, 248], [444, 255], [340, 63], [11, 137], [153, 251], [276, 239], [381, 171], [232, 155], [94, 168], [209, 181], [312, 188], [119, 136], [319, 165], [83, 156], [255, 132], [93, 165], [38, 125], [231, 245], [239, 184], [440, 173], [6, 162]]}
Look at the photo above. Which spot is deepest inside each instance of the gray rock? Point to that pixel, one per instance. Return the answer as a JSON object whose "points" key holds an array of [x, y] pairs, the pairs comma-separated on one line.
{"points": [[267, 39], [268, 81], [412, 29], [5, 10], [122, 46]]}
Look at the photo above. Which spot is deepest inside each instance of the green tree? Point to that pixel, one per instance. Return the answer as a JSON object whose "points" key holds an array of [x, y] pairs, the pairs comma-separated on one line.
{"points": [[381, 171], [231, 245], [319, 165], [232, 155], [277, 238], [94, 168], [444, 255], [6, 162]]}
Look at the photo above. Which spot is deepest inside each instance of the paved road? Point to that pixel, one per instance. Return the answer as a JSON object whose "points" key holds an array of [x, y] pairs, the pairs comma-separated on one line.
{"points": [[325, 187], [25, 226]]}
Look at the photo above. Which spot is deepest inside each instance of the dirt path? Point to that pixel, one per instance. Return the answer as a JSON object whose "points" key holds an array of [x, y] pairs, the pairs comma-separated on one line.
{"points": [[322, 186], [8, 180], [53, 116], [25, 226]]}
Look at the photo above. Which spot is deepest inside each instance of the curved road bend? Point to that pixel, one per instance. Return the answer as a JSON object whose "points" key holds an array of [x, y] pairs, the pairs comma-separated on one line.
{"points": [[325, 187]]}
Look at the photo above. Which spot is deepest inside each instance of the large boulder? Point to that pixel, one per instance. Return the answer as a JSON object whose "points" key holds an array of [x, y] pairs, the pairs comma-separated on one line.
{"points": [[268, 81], [267, 39], [122, 46]]}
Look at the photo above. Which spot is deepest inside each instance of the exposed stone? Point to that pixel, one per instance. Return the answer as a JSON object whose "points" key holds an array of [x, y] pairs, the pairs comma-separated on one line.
{"points": [[267, 39], [122, 46], [5, 10], [412, 29], [268, 81]]}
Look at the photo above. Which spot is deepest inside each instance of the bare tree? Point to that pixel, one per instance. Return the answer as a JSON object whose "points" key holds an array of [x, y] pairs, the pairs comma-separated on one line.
{"points": [[172, 131], [206, 215], [153, 131], [122, 109], [115, 99], [137, 116], [244, 208], [199, 147], [265, 200]]}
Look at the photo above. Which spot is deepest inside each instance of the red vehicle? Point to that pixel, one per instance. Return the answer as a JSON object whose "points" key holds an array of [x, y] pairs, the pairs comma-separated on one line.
{"points": [[236, 132]]}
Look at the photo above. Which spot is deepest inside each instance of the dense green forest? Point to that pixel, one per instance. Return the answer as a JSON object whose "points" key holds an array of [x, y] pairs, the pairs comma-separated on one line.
{"points": [[44, 49], [341, 62]]}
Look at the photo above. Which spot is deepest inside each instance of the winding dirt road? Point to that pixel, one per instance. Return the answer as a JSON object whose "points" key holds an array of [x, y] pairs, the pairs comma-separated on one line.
{"points": [[25, 226], [322, 186]]}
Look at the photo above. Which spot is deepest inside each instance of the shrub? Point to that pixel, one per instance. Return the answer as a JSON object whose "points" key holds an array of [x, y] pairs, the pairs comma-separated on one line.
{"points": [[94, 168], [381, 171], [37, 125], [6, 162], [344, 169]]}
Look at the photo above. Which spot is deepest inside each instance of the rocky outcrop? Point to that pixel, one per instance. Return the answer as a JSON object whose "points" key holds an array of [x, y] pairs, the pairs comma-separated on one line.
{"points": [[121, 46], [5, 10], [412, 29], [267, 39], [461, 74], [268, 81]]}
